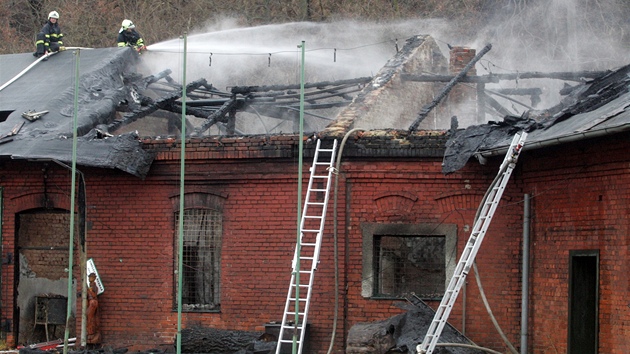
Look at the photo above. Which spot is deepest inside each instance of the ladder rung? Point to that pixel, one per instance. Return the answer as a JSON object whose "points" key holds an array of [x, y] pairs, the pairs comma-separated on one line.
{"points": [[293, 313], [308, 244], [312, 217], [300, 286]]}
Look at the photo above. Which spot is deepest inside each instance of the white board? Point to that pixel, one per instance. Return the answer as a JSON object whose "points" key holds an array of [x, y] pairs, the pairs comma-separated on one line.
{"points": [[91, 268]]}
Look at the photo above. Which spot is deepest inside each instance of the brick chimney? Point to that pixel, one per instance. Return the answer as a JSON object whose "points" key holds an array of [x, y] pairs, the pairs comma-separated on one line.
{"points": [[462, 100]]}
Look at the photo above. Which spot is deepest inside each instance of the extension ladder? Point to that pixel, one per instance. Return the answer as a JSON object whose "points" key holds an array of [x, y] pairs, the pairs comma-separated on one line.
{"points": [[306, 255], [490, 202]]}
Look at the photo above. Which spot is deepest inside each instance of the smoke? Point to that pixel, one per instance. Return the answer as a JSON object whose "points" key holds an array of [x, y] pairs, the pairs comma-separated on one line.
{"points": [[526, 36], [552, 36], [269, 55]]}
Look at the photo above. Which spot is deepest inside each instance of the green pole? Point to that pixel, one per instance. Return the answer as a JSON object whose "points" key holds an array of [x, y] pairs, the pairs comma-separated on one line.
{"points": [[72, 196], [299, 208], [180, 248]]}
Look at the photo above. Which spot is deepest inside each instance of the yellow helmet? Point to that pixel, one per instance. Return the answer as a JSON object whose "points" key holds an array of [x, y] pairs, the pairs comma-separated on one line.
{"points": [[53, 14]]}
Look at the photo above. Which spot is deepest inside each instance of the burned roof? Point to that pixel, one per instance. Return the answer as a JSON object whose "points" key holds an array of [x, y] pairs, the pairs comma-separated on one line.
{"points": [[593, 108], [115, 102], [37, 109]]}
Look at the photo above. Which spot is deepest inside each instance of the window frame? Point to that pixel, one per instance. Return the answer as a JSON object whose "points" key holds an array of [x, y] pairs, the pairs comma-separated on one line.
{"points": [[372, 230], [198, 198]]}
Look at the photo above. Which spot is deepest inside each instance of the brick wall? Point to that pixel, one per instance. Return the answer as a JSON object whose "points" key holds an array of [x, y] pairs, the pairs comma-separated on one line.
{"points": [[583, 206], [580, 201]]}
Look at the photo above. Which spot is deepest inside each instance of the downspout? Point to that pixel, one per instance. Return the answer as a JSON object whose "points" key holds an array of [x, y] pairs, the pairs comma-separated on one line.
{"points": [[525, 275]]}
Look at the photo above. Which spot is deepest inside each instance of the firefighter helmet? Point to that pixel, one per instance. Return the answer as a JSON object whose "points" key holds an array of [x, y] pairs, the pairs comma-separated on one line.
{"points": [[53, 14], [127, 24]]}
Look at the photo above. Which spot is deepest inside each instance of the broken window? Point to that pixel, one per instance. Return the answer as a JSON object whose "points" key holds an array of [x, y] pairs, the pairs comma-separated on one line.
{"points": [[400, 259], [201, 259], [409, 264]]}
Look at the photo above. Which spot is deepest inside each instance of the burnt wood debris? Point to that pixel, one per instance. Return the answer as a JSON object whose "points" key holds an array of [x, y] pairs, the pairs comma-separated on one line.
{"points": [[282, 102], [219, 107]]}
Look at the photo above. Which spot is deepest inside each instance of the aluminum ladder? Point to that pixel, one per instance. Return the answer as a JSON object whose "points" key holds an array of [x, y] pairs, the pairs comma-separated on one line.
{"points": [[307, 250], [489, 205]]}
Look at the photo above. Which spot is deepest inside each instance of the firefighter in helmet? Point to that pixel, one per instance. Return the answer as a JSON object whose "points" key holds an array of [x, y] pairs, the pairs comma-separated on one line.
{"points": [[129, 37], [50, 38]]}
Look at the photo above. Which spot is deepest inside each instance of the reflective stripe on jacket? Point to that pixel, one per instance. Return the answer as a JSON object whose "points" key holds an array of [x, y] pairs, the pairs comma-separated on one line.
{"points": [[51, 33], [130, 38]]}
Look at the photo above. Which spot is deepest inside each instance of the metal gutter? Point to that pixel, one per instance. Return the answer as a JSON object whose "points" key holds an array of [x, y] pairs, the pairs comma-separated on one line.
{"points": [[530, 145]]}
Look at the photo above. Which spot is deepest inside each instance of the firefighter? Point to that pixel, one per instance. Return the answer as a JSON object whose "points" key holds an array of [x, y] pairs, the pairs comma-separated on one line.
{"points": [[50, 38], [129, 37]]}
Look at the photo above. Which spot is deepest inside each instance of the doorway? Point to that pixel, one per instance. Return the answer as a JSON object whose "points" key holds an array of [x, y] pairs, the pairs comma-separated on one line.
{"points": [[41, 287], [583, 301]]}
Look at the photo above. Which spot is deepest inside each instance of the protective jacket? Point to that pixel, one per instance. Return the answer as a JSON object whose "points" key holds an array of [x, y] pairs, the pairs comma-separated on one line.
{"points": [[130, 38], [50, 38]]}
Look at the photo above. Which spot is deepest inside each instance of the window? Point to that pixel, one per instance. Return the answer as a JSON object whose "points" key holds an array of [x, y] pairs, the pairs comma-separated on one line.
{"points": [[406, 264], [201, 259], [399, 259]]}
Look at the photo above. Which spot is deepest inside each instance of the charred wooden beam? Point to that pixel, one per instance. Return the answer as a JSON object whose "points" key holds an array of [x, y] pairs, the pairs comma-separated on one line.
{"points": [[446, 78], [213, 102], [246, 90], [497, 106], [215, 117], [535, 91], [158, 104], [562, 75], [332, 92], [426, 109], [509, 98], [155, 78]]}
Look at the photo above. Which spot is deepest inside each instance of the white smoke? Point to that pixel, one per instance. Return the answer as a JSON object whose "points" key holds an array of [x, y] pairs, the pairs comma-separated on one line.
{"points": [[526, 36]]}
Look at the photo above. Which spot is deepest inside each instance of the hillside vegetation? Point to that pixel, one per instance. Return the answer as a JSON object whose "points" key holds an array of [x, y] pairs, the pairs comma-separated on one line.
{"points": [[583, 32]]}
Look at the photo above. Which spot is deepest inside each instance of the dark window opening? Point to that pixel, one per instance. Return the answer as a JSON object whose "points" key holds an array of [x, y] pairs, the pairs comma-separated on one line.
{"points": [[409, 264], [4, 115], [201, 259]]}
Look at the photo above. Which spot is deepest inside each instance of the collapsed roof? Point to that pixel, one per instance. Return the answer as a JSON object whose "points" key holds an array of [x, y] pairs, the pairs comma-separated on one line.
{"points": [[594, 108], [37, 110], [115, 106]]}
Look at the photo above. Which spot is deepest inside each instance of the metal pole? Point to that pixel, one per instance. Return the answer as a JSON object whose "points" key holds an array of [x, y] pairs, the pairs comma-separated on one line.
{"points": [[299, 208], [525, 275], [180, 248], [72, 196]]}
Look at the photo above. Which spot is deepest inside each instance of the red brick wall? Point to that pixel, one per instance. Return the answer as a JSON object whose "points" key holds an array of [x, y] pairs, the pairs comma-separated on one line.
{"points": [[583, 206], [131, 237]]}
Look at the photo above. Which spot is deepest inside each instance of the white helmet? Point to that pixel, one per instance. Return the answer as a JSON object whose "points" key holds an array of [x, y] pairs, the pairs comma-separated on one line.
{"points": [[127, 24], [53, 14]]}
